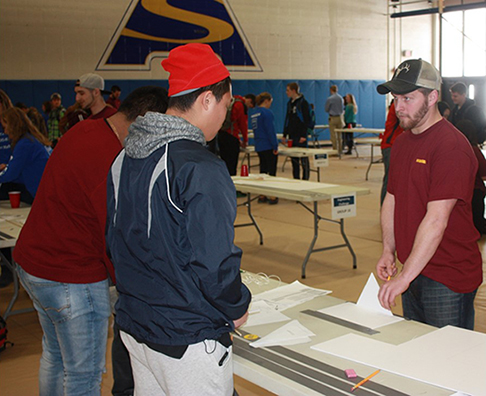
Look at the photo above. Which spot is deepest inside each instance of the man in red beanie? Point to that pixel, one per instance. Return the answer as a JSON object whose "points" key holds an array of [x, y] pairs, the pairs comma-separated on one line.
{"points": [[171, 209]]}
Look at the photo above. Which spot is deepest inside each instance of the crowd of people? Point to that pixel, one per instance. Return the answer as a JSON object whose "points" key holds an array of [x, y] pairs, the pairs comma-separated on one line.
{"points": [[151, 209]]}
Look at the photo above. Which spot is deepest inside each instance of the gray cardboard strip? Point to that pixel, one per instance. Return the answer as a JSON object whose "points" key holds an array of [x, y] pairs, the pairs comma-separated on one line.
{"points": [[311, 373], [341, 322]]}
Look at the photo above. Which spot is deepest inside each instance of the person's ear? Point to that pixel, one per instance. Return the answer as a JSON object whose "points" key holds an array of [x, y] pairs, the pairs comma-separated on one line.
{"points": [[206, 99], [433, 98]]}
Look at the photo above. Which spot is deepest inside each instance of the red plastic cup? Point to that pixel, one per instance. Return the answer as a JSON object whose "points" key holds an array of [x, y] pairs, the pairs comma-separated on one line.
{"points": [[244, 170], [14, 199], [290, 143]]}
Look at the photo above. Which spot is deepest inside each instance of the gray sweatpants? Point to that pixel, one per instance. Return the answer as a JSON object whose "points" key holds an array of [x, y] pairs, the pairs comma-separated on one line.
{"points": [[198, 372]]}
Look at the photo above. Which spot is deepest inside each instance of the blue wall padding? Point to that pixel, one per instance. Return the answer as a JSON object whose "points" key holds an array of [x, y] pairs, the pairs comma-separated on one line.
{"points": [[371, 105]]}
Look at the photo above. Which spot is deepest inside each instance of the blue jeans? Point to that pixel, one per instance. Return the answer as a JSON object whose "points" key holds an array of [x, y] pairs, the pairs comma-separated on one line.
{"points": [[74, 318], [431, 302]]}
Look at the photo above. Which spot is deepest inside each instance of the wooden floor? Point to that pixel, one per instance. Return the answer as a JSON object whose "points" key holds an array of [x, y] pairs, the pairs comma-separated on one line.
{"points": [[287, 230]]}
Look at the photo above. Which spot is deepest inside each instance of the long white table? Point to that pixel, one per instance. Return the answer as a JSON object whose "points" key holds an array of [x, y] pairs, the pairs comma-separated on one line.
{"points": [[11, 223], [293, 152], [299, 370], [372, 141], [303, 192]]}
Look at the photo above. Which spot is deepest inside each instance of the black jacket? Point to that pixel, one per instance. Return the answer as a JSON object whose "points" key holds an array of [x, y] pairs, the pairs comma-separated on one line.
{"points": [[171, 209]]}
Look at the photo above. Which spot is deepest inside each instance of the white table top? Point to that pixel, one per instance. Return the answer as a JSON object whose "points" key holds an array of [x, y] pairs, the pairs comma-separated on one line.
{"points": [[11, 223], [396, 334], [295, 190]]}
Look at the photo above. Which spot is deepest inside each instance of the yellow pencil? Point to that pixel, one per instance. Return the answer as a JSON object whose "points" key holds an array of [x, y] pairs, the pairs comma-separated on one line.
{"points": [[365, 380]]}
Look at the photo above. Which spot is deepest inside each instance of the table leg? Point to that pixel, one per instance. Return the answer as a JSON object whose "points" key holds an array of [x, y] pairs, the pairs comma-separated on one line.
{"points": [[253, 221], [371, 162], [15, 295], [314, 239]]}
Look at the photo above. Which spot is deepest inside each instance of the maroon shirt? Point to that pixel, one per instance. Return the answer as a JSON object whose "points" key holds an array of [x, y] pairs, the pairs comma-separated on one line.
{"points": [[107, 112], [437, 164], [63, 237]]}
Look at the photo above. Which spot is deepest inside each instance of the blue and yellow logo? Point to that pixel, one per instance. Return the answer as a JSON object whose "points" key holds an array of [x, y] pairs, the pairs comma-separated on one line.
{"points": [[151, 28]]}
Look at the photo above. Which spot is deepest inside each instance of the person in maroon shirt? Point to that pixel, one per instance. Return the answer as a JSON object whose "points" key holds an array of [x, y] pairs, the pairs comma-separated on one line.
{"points": [[61, 254], [114, 99], [426, 216], [89, 94]]}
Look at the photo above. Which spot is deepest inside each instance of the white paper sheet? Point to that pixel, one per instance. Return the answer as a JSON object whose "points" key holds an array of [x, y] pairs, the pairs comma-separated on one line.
{"points": [[288, 296], [262, 313], [369, 297], [289, 334], [368, 312], [450, 357]]}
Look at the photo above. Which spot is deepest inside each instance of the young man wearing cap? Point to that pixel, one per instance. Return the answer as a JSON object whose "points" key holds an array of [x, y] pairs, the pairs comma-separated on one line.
{"points": [[466, 109], [89, 94], [171, 208], [56, 113], [61, 251], [426, 215]]}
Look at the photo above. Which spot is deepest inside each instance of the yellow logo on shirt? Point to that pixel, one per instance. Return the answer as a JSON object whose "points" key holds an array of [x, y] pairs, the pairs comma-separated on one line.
{"points": [[421, 161]]}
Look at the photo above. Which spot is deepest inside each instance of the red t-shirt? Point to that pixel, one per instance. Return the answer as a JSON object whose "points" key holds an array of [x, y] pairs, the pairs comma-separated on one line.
{"points": [[392, 128], [435, 165], [63, 237], [107, 112]]}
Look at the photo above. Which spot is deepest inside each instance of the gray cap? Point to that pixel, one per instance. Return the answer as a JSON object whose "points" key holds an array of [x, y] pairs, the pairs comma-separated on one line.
{"points": [[411, 75], [91, 81], [56, 95]]}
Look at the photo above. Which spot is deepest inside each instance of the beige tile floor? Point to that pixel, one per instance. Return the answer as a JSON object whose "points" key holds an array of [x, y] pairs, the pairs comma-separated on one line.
{"points": [[287, 230]]}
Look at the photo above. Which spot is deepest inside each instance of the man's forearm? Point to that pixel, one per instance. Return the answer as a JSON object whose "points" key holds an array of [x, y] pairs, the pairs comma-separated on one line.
{"points": [[428, 237], [387, 224]]}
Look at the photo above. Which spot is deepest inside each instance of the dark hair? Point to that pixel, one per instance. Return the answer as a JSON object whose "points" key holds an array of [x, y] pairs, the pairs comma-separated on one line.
{"points": [[47, 106], [21, 105], [115, 88], [443, 106], [19, 125], [469, 130], [37, 120], [252, 98], [293, 86], [5, 102], [143, 99], [184, 103], [425, 91], [459, 87], [334, 88]]}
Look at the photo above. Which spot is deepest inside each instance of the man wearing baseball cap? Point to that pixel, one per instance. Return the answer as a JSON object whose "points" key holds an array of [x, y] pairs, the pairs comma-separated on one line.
{"points": [[89, 94], [426, 216], [171, 209]]}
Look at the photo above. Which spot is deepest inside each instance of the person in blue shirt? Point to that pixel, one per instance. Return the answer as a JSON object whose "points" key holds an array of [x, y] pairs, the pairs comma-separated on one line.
{"points": [[266, 143], [30, 152], [5, 152]]}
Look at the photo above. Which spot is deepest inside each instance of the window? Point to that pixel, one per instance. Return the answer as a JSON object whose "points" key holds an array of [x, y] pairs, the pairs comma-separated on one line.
{"points": [[464, 43]]}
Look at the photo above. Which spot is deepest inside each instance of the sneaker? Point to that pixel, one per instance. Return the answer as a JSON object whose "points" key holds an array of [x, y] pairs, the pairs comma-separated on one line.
{"points": [[262, 199], [273, 201], [240, 194]]}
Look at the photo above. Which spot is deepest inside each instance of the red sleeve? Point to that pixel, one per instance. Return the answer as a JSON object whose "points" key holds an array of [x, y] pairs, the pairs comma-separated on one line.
{"points": [[452, 174], [240, 119]]}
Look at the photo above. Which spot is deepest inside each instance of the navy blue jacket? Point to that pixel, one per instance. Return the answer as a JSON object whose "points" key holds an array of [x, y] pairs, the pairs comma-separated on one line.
{"points": [[170, 235]]}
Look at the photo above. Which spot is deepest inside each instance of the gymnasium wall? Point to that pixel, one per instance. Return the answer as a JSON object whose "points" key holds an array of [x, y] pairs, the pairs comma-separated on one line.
{"points": [[46, 45]]}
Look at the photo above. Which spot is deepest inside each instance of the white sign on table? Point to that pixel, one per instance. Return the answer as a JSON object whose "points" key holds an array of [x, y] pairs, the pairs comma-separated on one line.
{"points": [[321, 160], [343, 206]]}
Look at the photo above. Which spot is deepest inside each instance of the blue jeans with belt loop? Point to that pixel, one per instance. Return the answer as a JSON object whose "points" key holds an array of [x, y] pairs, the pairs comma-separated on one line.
{"points": [[74, 318], [431, 302]]}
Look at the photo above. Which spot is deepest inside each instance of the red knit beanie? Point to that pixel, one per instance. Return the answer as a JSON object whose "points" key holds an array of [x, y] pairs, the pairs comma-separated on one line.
{"points": [[193, 66]]}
